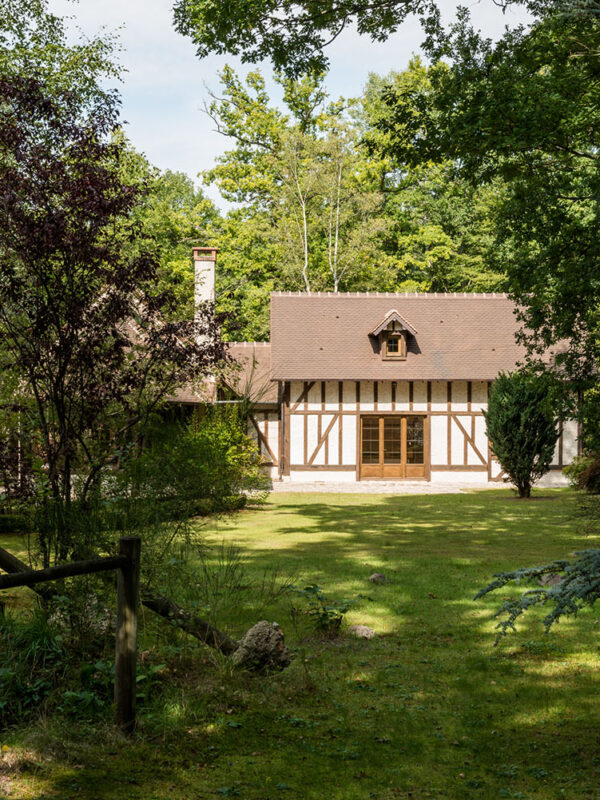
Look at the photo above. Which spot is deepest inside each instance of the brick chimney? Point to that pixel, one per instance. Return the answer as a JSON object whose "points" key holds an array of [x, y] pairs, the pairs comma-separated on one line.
{"points": [[205, 260]]}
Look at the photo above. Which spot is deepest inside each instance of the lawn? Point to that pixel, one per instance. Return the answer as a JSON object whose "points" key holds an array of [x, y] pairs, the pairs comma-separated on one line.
{"points": [[427, 709]]}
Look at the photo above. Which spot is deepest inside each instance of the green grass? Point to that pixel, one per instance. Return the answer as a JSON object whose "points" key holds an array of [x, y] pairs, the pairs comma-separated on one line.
{"points": [[427, 709]]}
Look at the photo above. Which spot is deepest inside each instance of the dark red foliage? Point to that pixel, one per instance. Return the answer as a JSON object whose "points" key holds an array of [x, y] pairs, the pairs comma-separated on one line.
{"points": [[80, 315]]}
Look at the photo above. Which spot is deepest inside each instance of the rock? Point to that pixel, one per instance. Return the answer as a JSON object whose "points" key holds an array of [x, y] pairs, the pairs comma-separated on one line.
{"points": [[361, 631], [550, 580], [378, 577], [262, 649]]}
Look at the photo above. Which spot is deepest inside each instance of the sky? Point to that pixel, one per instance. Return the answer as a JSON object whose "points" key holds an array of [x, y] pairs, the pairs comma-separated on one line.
{"points": [[165, 84]]}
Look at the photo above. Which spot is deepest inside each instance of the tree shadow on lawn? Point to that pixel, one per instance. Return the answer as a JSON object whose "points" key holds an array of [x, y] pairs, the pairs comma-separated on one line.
{"points": [[428, 708], [345, 541]]}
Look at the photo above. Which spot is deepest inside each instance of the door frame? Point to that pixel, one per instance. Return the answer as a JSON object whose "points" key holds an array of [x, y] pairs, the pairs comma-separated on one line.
{"points": [[426, 443]]}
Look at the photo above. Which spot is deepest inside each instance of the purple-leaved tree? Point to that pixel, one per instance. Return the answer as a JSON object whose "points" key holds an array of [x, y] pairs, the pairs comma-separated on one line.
{"points": [[83, 325]]}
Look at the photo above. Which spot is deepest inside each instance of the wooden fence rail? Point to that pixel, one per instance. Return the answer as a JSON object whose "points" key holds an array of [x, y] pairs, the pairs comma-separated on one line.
{"points": [[127, 564]]}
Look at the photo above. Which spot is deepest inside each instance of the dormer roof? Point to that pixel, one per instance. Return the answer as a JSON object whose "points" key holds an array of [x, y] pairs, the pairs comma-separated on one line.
{"points": [[391, 317]]}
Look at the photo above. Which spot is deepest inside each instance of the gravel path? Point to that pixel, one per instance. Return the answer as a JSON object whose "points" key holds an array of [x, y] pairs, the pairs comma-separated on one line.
{"points": [[381, 487]]}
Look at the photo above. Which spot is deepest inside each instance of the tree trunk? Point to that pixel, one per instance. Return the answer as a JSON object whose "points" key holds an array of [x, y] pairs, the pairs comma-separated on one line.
{"points": [[167, 608]]}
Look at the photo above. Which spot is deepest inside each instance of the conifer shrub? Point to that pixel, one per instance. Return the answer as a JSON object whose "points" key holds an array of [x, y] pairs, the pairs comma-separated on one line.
{"points": [[522, 425]]}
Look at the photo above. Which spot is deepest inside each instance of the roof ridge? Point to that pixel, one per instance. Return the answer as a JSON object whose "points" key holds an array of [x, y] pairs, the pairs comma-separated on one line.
{"points": [[439, 295], [247, 344]]}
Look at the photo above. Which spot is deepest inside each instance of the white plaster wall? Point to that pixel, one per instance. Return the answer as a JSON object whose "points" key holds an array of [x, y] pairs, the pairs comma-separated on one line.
{"points": [[495, 468], [457, 449], [439, 396], [311, 436], [459, 396], [366, 396], [314, 397], [439, 440], [349, 403], [402, 396], [333, 441], [420, 396], [481, 438], [296, 439], [296, 388], [349, 440], [384, 396], [459, 477], [273, 431], [320, 457], [553, 478], [331, 395], [323, 476], [556, 453], [569, 441], [479, 395]]}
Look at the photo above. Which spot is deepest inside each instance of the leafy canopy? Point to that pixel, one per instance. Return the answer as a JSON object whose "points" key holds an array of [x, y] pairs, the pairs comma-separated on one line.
{"points": [[523, 111], [291, 34]]}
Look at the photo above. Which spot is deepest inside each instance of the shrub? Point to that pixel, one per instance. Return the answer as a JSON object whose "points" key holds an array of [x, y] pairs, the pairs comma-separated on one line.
{"points": [[584, 473], [206, 465], [522, 426], [13, 523]]}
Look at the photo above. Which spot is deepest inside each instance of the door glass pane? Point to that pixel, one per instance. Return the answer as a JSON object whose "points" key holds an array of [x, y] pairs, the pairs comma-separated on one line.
{"points": [[370, 440], [415, 440], [392, 440]]}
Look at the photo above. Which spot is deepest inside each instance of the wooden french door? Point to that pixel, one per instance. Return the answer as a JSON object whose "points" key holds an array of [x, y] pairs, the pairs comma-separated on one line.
{"points": [[393, 446]]}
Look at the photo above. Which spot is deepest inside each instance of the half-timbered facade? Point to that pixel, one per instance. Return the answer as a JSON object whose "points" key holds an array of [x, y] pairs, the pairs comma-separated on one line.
{"points": [[382, 386]]}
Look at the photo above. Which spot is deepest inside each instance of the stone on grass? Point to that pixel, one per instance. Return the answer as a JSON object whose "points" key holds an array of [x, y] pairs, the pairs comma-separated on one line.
{"points": [[378, 577], [361, 631], [550, 580], [262, 649]]}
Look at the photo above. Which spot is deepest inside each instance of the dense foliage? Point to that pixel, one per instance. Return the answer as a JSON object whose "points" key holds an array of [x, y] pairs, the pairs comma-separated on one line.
{"points": [[524, 111], [321, 205], [522, 426], [291, 34], [193, 467]]}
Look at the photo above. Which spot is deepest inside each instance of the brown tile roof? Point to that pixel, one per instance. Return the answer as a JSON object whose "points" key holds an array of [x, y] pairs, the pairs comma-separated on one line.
{"points": [[203, 392], [252, 378], [326, 336]]}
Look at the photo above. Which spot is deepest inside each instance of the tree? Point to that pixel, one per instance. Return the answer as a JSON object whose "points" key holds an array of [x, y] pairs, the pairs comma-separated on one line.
{"points": [[33, 39], [522, 426], [292, 35], [174, 215], [81, 319], [441, 227], [524, 111], [310, 216]]}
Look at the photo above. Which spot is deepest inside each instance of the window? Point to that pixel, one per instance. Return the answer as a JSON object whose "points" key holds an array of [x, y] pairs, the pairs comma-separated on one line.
{"points": [[393, 345]]}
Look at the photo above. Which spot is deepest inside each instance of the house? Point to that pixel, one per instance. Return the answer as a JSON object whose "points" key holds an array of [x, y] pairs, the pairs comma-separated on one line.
{"points": [[376, 386]]}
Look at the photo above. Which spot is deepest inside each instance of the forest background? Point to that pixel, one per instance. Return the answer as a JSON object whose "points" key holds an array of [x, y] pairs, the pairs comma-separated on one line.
{"points": [[316, 203]]}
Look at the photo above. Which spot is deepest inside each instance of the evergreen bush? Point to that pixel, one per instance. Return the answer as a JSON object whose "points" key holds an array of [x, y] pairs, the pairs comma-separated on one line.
{"points": [[522, 426]]}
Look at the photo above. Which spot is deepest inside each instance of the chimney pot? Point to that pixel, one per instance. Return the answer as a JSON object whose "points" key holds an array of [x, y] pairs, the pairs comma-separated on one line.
{"points": [[205, 253]]}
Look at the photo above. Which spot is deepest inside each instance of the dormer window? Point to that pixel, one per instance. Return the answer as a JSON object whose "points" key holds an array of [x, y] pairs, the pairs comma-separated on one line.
{"points": [[393, 345], [393, 333]]}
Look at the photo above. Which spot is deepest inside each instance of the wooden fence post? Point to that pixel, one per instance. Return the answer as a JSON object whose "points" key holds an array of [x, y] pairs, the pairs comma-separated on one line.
{"points": [[128, 583]]}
